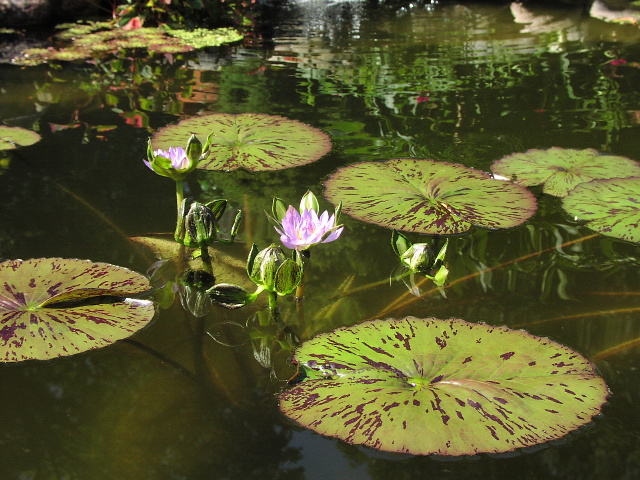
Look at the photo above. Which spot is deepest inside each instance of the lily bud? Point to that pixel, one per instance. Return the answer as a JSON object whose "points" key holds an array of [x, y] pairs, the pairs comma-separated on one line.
{"points": [[194, 149], [200, 224], [418, 258], [271, 269]]}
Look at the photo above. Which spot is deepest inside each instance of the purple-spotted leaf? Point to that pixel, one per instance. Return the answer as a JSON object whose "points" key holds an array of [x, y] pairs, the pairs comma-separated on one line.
{"points": [[610, 206], [250, 141], [14, 137], [445, 387], [559, 170], [44, 313], [428, 196]]}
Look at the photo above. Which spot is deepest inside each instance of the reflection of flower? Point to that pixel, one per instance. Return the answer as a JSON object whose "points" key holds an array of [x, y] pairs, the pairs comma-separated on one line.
{"points": [[301, 230], [618, 61]]}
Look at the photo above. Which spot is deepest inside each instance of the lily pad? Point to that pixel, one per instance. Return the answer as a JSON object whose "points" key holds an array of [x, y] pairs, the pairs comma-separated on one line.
{"points": [[250, 141], [46, 311], [428, 196], [561, 169], [610, 206], [446, 387], [14, 137]]}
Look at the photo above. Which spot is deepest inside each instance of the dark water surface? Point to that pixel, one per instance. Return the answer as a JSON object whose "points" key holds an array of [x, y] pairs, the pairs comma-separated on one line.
{"points": [[467, 84]]}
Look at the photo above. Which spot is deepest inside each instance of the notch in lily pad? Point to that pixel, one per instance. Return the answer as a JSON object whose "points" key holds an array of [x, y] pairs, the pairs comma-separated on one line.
{"points": [[448, 387], [54, 307], [249, 141], [559, 170], [609, 206], [427, 196]]}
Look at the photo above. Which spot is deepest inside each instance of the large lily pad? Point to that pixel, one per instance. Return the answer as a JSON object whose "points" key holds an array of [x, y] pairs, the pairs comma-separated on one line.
{"points": [[611, 206], [428, 196], [249, 141], [561, 169], [446, 387], [14, 137], [45, 310]]}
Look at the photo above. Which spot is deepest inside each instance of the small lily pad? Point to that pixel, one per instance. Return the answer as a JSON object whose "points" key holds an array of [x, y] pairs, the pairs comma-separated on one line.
{"points": [[446, 387], [53, 307], [428, 196], [250, 141], [610, 206], [14, 137], [559, 170]]}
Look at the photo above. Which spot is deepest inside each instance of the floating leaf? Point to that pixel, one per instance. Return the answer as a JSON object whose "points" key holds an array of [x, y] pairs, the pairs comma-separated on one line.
{"points": [[561, 169], [428, 196], [610, 206], [250, 141], [35, 324], [14, 137], [446, 387]]}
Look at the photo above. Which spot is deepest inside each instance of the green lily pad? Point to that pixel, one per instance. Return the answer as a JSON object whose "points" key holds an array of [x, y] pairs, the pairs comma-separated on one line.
{"points": [[45, 310], [561, 169], [428, 196], [610, 206], [250, 141], [446, 387], [14, 137]]}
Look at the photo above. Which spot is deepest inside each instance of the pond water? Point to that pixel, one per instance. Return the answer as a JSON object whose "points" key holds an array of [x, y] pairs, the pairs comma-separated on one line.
{"points": [[195, 398]]}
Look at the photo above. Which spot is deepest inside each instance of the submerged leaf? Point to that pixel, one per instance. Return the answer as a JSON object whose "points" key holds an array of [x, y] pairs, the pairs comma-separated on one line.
{"points": [[249, 141], [561, 169], [446, 387], [611, 206], [45, 310], [428, 196]]}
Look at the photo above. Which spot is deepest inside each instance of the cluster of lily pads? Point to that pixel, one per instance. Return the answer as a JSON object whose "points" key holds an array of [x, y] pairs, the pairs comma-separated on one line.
{"points": [[420, 386], [87, 41]]}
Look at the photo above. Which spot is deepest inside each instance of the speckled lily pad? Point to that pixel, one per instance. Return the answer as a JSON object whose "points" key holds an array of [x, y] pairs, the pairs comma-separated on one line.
{"points": [[559, 170], [249, 141], [45, 312], [446, 387], [428, 196], [610, 206]]}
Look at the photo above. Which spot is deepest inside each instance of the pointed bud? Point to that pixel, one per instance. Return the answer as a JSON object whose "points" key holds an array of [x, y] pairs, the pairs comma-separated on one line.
{"points": [[194, 150], [309, 202], [200, 226], [271, 269]]}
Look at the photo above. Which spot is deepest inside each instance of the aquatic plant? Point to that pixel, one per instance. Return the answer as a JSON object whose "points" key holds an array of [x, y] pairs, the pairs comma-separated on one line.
{"points": [[249, 141], [559, 170], [14, 137], [302, 228], [445, 387], [53, 307], [427, 196], [609, 206]]}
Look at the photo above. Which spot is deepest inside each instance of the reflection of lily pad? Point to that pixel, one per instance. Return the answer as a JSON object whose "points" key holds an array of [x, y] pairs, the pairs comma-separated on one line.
{"points": [[14, 137], [45, 310], [447, 387], [250, 141], [560, 169], [610, 206], [427, 196]]}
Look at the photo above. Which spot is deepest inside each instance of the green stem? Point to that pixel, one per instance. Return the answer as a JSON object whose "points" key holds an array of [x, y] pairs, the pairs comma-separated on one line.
{"points": [[179, 193], [206, 260]]}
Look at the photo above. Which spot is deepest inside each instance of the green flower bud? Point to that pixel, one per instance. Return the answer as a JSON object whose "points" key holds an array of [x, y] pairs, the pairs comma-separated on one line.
{"points": [[271, 269], [418, 258], [194, 150], [200, 225]]}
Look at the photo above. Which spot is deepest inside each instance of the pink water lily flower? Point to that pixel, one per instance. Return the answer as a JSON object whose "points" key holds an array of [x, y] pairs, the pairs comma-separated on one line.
{"points": [[177, 155], [299, 231]]}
